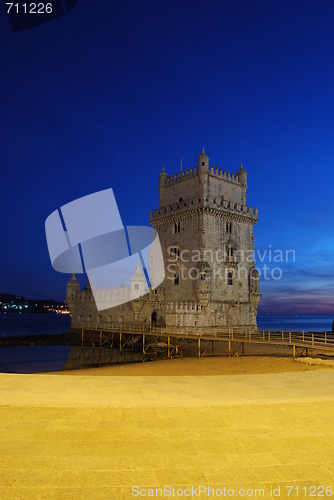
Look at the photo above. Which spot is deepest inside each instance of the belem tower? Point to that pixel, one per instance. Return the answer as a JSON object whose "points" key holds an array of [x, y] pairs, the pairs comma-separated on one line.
{"points": [[206, 235]]}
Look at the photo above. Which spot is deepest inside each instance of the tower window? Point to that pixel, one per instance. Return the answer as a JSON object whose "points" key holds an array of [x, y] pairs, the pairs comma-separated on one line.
{"points": [[177, 227], [136, 286], [203, 163], [174, 253], [229, 279], [203, 276], [229, 227], [229, 251], [176, 279]]}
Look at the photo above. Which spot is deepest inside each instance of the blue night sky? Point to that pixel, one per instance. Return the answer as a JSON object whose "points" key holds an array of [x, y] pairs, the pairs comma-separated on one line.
{"points": [[108, 93]]}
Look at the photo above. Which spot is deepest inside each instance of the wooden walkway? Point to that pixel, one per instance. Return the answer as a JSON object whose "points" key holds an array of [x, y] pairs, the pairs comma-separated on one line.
{"points": [[125, 336]]}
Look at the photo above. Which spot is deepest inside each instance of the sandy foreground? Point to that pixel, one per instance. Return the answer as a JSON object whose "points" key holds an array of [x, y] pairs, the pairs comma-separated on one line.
{"points": [[256, 424], [208, 366]]}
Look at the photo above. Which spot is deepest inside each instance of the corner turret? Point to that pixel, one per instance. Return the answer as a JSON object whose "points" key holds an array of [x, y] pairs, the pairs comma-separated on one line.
{"points": [[138, 283], [163, 179], [242, 175], [72, 288], [203, 162], [203, 170]]}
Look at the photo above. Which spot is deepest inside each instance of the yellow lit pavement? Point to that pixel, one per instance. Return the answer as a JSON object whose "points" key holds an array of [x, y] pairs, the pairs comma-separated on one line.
{"points": [[97, 437]]}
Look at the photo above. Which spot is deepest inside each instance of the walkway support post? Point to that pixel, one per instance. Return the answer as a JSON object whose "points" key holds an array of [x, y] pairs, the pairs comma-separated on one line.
{"points": [[229, 348], [199, 347], [168, 346], [100, 349], [294, 351]]}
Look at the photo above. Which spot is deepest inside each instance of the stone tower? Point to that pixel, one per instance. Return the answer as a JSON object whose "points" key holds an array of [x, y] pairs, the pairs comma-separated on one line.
{"points": [[206, 232], [72, 288], [138, 283]]}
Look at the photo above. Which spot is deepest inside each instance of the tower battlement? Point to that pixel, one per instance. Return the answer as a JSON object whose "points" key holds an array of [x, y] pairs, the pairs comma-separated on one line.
{"points": [[215, 172], [204, 186], [229, 209]]}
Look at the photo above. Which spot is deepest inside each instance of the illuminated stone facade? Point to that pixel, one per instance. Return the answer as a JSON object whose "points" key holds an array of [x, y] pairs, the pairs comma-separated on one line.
{"points": [[206, 233]]}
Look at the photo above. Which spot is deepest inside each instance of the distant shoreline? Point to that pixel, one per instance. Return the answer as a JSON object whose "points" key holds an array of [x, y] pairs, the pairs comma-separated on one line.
{"points": [[41, 339]]}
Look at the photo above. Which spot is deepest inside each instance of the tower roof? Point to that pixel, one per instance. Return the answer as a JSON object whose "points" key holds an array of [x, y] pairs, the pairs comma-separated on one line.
{"points": [[203, 155], [241, 170], [138, 274], [73, 280]]}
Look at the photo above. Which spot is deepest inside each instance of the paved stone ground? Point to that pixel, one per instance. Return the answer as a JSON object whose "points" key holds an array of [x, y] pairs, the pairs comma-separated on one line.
{"points": [[68, 437]]}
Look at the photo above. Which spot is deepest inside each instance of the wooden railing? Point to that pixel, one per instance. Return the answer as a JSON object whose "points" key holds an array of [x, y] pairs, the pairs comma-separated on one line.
{"points": [[238, 334]]}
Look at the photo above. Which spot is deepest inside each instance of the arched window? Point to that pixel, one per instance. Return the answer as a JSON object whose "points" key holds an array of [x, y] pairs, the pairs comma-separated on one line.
{"points": [[176, 279], [229, 227], [178, 227], [229, 279], [229, 251], [174, 254]]}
